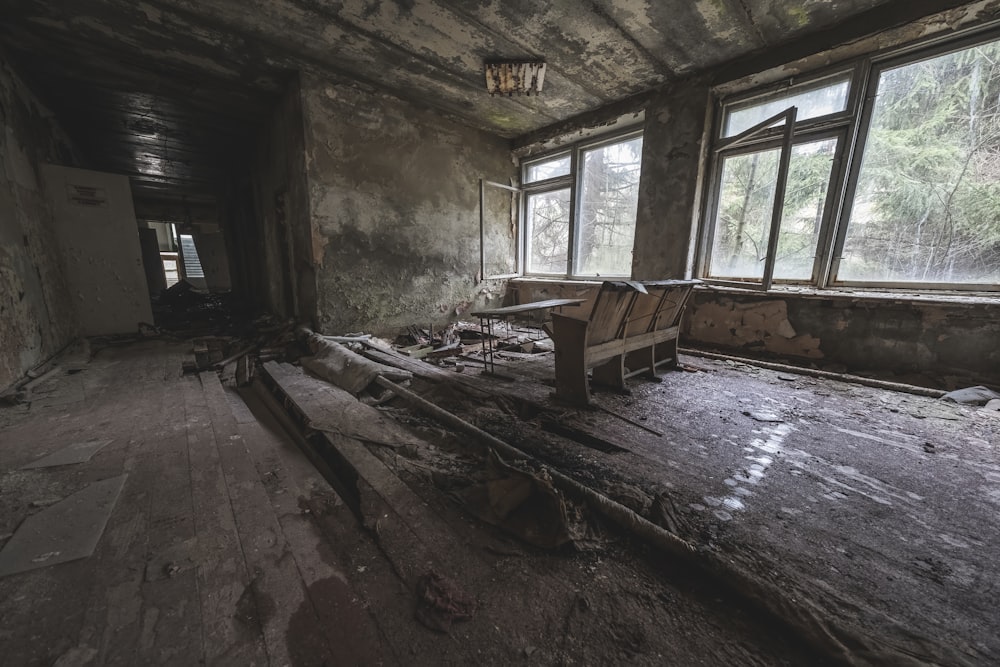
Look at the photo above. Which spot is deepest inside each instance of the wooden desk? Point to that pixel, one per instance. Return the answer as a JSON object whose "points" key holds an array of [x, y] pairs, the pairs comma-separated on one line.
{"points": [[488, 316]]}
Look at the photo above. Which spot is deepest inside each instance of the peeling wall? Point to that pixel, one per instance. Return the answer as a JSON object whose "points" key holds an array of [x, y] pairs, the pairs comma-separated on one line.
{"points": [[37, 317], [673, 165], [927, 342], [394, 195], [924, 341], [947, 342]]}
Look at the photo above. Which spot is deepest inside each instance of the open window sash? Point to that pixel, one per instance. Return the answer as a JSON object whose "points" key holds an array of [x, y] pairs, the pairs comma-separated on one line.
{"points": [[781, 179], [518, 260]]}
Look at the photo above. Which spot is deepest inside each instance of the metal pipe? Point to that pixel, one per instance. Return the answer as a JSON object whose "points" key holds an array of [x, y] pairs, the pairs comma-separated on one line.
{"points": [[828, 375]]}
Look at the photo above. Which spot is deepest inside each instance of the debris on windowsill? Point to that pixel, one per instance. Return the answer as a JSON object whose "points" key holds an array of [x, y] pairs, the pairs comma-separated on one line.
{"points": [[978, 395]]}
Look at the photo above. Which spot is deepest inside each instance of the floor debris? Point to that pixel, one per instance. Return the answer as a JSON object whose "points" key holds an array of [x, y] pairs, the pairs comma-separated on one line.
{"points": [[65, 531], [978, 395], [440, 603], [78, 452], [522, 503]]}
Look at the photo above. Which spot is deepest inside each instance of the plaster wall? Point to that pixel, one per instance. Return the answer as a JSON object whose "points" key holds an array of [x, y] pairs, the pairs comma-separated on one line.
{"points": [[394, 197], [942, 339], [931, 342], [100, 247], [673, 166], [37, 317]]}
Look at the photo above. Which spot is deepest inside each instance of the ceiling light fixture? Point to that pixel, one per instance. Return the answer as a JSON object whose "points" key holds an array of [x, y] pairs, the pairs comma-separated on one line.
{"points": [[507, 77]]}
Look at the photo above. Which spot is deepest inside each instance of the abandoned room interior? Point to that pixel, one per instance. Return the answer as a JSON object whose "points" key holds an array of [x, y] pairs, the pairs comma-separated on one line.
{"points": [[437, 332]]}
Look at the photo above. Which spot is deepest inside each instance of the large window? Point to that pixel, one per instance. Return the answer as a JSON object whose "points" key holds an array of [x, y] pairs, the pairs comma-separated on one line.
{"points": [[915, 203], [580, 209]]}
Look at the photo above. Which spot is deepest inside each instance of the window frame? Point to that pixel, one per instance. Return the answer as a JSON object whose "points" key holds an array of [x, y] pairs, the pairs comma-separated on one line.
{"points": [[572, 180], [852, 126]]}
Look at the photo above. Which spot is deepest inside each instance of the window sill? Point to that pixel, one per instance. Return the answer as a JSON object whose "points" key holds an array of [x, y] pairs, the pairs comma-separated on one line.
{"points": [[861, 294]]}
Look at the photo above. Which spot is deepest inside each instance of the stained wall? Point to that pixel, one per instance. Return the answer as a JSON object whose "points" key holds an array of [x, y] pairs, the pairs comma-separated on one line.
{"points": [[37, 315], [923, 337], [394, 205]]}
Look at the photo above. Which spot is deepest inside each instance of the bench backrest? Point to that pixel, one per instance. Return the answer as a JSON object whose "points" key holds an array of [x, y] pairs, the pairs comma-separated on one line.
{"points": [[660, 308], [612, 305]]}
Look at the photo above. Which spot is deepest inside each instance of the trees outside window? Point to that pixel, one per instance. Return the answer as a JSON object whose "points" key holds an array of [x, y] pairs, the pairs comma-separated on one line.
{"points": [[927, 202], [916, 201], [580, 209]]}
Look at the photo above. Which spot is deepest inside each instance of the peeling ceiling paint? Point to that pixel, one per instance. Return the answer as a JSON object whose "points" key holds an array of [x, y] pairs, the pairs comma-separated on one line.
{"points": [[207, 71]]}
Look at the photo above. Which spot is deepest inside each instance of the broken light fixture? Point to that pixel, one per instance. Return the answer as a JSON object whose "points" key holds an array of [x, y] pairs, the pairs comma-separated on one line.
{"points": [[521, 77]]}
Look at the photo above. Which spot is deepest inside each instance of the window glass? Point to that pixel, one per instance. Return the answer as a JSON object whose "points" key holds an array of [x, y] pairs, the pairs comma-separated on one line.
{"points": [[829, 97], [927, 204], [746, 199], [548, 231], [541, 171], [608, 202]]}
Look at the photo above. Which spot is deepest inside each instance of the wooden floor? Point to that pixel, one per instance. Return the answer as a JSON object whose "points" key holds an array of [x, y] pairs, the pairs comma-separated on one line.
{"points": [[227, 547], [214, 553], [873, 511]]}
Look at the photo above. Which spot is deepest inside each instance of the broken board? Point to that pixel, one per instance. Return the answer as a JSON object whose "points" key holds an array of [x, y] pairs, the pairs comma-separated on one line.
{"points": [[78, 452], [68, 530], [333, 410]]}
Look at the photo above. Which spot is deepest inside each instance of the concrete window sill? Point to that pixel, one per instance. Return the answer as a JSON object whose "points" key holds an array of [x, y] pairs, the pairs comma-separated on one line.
{"points": [[864, 295]]}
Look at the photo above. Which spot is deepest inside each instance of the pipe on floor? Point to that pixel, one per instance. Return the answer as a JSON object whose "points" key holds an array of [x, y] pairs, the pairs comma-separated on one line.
{"points": [[804, 618], [813, 372]]}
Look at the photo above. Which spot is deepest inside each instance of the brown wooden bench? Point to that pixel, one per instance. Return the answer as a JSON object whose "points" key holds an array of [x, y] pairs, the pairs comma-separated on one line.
{"points": [[632, 329]]}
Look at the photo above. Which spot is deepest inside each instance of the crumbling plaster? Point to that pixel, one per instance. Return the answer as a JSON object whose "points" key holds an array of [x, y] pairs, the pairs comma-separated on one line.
{"points": [[394, 197], [928, 338], [949, 343], [37, 317]]}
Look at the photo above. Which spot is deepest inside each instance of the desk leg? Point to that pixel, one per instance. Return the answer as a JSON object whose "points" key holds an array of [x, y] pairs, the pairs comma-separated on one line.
{"points": [[482, 343]]}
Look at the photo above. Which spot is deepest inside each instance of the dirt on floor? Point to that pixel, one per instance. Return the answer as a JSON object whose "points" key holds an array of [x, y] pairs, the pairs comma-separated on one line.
{"points": [[873, 511], [869, 515]]}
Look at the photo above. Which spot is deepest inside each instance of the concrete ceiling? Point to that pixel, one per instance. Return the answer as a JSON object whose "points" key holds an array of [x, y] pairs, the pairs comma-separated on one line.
{"points": [[162, 89]]}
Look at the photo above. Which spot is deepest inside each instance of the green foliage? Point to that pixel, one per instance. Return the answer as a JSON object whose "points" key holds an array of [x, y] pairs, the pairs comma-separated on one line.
{"points": [[927, 202], [927, 206]]}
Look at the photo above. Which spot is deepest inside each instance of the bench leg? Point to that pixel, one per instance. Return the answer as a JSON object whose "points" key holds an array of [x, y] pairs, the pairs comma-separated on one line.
{"points": [[611, 373], [643, 359], [665, 353], [571, 369]]}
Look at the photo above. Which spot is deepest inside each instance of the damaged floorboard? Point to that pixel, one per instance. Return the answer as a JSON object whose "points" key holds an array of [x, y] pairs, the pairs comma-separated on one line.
{"points": [[228, 546]]}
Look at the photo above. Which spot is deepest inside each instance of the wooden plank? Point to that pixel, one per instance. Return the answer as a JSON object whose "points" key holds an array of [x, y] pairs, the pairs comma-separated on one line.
{"points": [[171, 625], [423, 539], [276, 587], [232, 627], [291, 482], [124, 616], [570, 336], [331, 409], [527, 307], [613, 348], [609, 315], [79, 605]]}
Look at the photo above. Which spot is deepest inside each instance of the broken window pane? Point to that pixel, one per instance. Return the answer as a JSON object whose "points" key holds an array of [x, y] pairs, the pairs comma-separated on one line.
{"points": [[927, 204], [548, 231], [542, 171], [826, 98], [746, 200], [610, 196]]}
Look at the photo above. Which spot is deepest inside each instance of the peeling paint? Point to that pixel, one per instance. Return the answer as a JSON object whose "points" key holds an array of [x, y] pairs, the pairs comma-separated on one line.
{"points": [[36, 314], [394, 202]]}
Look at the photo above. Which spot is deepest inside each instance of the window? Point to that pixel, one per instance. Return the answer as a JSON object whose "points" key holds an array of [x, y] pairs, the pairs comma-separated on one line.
{"points": [[580, 209], [915, 203]]}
